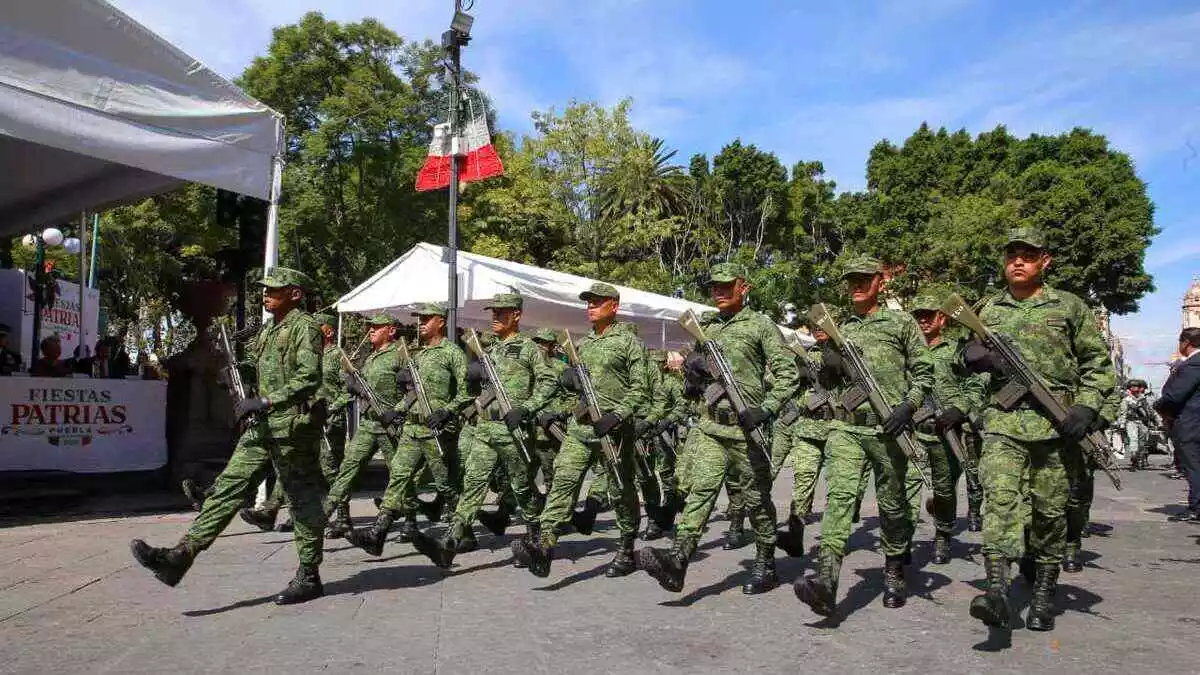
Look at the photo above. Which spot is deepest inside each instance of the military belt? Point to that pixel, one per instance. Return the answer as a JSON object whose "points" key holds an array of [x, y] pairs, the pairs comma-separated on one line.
{"points": [[860, 418], [927, 428], [723, 416]]}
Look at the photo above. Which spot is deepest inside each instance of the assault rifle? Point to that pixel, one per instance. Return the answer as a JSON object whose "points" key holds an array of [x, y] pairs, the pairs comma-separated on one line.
{"points": [[726, 385], [819, 396], [230, 374], [864, 387], [590, 405], [1024, 381], [953, 438], [418, 397], [497, 388]]}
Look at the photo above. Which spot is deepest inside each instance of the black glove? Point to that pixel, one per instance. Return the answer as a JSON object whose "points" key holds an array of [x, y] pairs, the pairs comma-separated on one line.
{"points": [[752, 417], [979, 359], [951, 418], [1077, 423], [474, 373], [548, 417], [352, 385], [664, 427], [438, 419], [901, 416], [692, 390], [831, 362], [390, 417], [404, 380], [695, 369], [248, 406], [607, 422], [569, 380], [515, 417]]}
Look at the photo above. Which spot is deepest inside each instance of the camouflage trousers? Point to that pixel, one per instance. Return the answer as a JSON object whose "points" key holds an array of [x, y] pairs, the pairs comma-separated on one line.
{"points": [[806, 455], [492, 446], [295, 458], [333, 449], [413, 454], [1082, 481], [944, 470], [721, 457], [366, 442], [852, 452], [546, 450], [572, 462], [1002, 469]]}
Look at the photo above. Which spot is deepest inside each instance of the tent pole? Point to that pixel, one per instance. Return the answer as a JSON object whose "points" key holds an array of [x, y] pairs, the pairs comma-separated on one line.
{"points": [[663, 335], [271, 246], [95, 250], [83, 226]]}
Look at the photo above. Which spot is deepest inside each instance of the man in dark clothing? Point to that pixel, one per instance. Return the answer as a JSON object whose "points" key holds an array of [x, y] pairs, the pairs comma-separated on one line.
{"points": [[1179, 406]]}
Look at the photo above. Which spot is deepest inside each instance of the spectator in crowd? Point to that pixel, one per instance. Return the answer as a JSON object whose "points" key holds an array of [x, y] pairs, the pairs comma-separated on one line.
{"points": [[10, 361], [51, 363], [1179, 407], [104, 364]]}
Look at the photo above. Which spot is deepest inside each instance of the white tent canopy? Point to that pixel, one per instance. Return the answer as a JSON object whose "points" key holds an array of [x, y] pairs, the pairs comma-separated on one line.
{"points": [[551, 298], [97, 110]]}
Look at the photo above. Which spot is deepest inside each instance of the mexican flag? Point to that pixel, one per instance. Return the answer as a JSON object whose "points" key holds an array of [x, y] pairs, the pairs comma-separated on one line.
{"points": [[480, 160]]}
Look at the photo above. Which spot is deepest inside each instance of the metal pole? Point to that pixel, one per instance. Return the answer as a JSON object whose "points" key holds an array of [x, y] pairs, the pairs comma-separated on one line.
{"points": [[39, 261], [452, 237], [95, 250], [83, 224]]}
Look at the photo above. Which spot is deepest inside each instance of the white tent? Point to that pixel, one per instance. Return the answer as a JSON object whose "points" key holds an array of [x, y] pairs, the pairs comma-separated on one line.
{"points": [[97, 110], [551, 298]]}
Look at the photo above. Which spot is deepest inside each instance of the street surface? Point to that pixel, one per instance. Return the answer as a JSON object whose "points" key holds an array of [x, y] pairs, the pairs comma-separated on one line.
{"points": [[72, 600]]}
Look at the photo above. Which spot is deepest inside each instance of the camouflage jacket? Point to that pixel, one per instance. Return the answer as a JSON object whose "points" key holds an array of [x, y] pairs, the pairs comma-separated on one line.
{"points": [[561, 400], [616, 362], [522, 370], [756, 354], [949, 386], [379, 370], [808, 425], [333, 389], [668, 403], [1057, 335], [443, 370], [1137, 409], [894, 350], [287, 363]]}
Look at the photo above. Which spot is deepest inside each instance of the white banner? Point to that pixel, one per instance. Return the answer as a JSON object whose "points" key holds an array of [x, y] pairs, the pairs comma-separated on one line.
{"points": [[82, 425]]}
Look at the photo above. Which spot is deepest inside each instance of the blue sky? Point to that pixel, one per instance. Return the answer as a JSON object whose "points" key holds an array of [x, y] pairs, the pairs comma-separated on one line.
{"points": [[821, 81]]}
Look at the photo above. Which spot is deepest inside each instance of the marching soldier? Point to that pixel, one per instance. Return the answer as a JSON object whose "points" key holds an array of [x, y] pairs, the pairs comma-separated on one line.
{"points": [[530, 385], [891, 345], [800, 434], [336, 400], [287, 359], [668, 412], [951, 392], [442, 366], [614, 357], [555, 412], [756, 355], [375, 430], [1057, 334]]}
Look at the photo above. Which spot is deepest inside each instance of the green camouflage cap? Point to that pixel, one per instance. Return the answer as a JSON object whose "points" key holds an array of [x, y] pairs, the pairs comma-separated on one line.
{"points": [[546, 335], [864, 264], [723, 273], [505, 301], [431, 309], [1137, 383], [1026, 235], [600, 290], [381, 320], [281, 277], [926, 302], [325, 319]]}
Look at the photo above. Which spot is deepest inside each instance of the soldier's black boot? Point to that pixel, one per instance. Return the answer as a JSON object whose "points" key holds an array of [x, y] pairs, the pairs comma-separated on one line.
{"points": [[652, 531], [340, 526], [819, 592], [762, 575], [263, 519], [1041, 607], [431, 510], [992, 607], [194, 494], [667, 566], [533, 554], [440, 553], [791, 540], [305, 586], [496, 522], [941, 548], [895, 588], [584, 520], [623, 563], [736, 536], [371, 539], [1070, 560], [168, 564], [408, 529], [533, 532], [289, 524]]}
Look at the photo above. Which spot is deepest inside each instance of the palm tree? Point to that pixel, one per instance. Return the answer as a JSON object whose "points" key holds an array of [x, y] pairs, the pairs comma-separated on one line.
{"points": [[642, 183]]}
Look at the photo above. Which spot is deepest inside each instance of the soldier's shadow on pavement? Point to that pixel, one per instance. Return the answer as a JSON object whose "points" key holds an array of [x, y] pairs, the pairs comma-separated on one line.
{"points": [[574, 551], [1074, 599], [728, 583], [240, 604]]}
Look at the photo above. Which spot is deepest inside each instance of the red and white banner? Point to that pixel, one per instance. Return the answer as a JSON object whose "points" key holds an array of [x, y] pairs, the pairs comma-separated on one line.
{"points": [[479, 162]]}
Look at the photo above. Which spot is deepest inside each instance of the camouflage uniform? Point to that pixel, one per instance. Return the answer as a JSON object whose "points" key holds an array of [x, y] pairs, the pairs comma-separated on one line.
{"points": [[530, 384], [372, 436], [766, 372], [803, 443], [287, 360], [560, 404]]}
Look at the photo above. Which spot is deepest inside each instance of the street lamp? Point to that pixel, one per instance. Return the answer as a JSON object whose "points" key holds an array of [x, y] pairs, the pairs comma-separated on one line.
{"points": [[453, 41], [51, 236]]}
